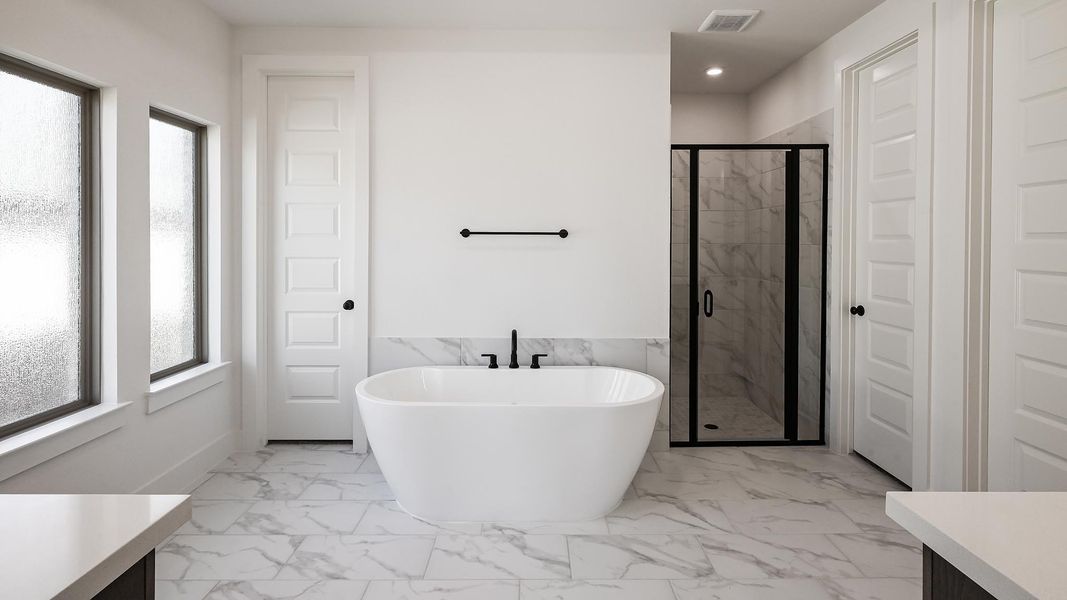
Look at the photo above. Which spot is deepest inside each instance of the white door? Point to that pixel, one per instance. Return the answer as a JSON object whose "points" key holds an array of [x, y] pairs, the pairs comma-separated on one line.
{"points": [[1028, 257], [317, 339], [885, 165]]}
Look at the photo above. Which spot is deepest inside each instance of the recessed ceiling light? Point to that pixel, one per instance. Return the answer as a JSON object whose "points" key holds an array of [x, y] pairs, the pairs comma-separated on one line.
{"points": [[714, 71]]}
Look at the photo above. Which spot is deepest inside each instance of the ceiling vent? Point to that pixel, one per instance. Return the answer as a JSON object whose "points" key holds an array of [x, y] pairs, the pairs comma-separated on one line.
{"points": [[722, 21]]}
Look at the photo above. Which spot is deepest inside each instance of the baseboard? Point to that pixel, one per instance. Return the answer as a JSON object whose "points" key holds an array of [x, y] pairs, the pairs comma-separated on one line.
{"points": [[185, 476]]}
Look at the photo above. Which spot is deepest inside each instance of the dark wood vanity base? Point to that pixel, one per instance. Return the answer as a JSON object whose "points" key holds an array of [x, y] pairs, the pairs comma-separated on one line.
{"points": [[942, 581], [137, 583]]}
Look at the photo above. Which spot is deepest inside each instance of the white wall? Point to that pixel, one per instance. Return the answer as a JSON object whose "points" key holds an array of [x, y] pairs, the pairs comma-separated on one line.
{"points": [[709, 118], [511, 130], [173, 54], [811, 85], [808, 86]]}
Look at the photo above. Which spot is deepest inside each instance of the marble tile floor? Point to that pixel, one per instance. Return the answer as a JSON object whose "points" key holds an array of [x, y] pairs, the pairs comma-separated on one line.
{"points": [[737, 418], [319, 522]]}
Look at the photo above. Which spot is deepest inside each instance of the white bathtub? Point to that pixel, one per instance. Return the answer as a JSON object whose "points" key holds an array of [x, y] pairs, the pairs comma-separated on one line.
{"points": [[478, 444]]}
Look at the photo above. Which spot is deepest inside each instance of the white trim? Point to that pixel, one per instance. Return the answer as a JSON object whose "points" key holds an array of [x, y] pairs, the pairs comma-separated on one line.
{"points": [[255, 69], [842, 265], [195, 469], [34, 446], [976, 326], [184, 384]]}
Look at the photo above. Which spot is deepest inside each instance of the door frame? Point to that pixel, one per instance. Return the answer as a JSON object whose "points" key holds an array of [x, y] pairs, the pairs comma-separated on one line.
{"points": [[842, 263], [255, 225]]}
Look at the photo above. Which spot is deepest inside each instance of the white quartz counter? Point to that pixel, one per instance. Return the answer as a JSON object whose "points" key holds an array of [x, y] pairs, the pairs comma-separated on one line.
{"points": [[73, 546], [1013, 544]]}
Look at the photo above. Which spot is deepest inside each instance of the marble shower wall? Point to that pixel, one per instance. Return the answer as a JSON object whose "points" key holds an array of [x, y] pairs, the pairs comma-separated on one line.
{"points": [[816, 130], [647, 355], [763, 362]]}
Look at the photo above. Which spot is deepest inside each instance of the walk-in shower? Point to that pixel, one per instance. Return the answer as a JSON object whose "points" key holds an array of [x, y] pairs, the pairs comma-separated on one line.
{"points": [[748, 263]]}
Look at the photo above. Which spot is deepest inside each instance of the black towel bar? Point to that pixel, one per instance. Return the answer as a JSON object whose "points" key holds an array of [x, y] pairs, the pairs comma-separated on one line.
{"points": [[467, 233]]}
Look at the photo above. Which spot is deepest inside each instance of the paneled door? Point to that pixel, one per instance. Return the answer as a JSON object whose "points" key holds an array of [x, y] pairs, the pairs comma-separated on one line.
{"points": [[883, 306], [318, 330], [1028, 255]]}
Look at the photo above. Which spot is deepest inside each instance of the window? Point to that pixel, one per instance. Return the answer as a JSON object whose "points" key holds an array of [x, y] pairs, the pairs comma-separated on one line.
{"points": [[47, 312], [176, 179]]}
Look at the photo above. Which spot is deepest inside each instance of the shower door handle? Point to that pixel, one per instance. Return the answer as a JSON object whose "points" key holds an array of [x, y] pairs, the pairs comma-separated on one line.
{"points": [[709, 303]]}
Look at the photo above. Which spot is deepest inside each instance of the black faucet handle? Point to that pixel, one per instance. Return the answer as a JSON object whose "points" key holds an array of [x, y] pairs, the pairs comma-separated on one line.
{"points": [[534, 363], [492, 361]]}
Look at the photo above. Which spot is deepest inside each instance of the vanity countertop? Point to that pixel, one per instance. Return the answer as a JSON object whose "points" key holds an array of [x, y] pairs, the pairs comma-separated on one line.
{"points": [[1013, 544], [73, 546]]}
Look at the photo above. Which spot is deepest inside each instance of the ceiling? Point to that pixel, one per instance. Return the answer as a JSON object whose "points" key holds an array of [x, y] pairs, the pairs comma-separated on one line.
{"points": [[786, 29]]}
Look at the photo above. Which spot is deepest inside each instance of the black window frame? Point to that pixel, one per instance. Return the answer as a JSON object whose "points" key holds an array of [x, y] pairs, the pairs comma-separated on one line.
{"points": [[89, 384], [200, 227]]}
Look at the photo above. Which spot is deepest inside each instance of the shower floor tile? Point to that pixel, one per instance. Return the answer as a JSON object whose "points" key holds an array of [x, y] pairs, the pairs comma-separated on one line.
{"points": [[735, 417], [775, 523]]}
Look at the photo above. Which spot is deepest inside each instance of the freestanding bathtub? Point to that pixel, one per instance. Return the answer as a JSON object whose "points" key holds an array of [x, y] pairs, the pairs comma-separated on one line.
{"points": [[478, 444]]}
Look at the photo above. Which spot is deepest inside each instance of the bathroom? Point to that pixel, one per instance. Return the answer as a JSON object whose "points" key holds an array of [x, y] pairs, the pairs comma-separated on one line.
{"points": [[744, 282]]}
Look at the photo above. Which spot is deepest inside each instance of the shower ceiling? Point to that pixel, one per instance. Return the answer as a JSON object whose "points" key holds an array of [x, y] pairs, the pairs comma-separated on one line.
{"points": [[784, 31]]}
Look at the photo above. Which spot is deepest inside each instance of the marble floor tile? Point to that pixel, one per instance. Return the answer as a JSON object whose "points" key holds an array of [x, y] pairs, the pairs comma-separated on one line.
{"points": [[882, 554], [318, 521], [252, 486], [348, 486], [759, 589], [288, 590], [359, 557], [637, 557], [442, 590], [787, 516], [789, 485], [647, 515], [387, 518], [648, 464], [242, 462], [868, 514], [499, 557], [813, 460], [633, 589], [591, 527], [699, 460], [177, 589], [300, 517], [863, 485], [874, 589], [370, 465], [243, 557], [214, 516], [738, 556], [688, 486], [311, 461]]}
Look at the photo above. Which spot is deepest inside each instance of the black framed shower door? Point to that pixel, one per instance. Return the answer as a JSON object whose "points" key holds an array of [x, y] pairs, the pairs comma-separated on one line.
{"points": [[701, 299]]}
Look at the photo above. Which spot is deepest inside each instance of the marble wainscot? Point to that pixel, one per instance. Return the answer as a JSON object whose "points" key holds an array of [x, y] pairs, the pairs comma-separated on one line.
{"points": [[98, 546], [645, 355]]}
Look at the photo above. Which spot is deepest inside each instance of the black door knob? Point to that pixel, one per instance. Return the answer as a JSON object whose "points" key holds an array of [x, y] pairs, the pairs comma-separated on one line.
{"points": [[348, 305], [857, 310]]}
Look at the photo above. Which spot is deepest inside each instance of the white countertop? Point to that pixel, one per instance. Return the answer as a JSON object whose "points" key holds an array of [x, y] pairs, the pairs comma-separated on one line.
{"points": [[1013, 544], [73, 546]]}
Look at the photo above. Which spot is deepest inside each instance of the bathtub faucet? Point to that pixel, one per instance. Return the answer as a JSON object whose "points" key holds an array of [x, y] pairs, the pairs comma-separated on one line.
{"points": [[514, 364]]}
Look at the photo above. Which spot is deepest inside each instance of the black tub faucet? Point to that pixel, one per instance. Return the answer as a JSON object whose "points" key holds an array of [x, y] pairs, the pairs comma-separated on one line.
{"points": [[514, 364]]}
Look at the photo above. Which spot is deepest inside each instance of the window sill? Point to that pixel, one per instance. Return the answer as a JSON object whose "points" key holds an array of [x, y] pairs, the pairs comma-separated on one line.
{"points": [[34, 446], [180, 386]]}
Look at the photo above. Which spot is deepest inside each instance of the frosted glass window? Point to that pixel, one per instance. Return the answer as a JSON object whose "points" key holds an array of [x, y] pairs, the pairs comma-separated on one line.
{"points": [[43, 204], [174, 155]]}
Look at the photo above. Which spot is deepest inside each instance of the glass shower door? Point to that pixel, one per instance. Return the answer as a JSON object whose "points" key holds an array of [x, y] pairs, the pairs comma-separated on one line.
{"points": [[739, 320]]}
